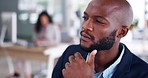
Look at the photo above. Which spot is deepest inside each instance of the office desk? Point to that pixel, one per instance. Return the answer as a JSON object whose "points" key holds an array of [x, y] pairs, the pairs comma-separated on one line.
{"points": [[21, 52], [48, 54], [54, 53]]}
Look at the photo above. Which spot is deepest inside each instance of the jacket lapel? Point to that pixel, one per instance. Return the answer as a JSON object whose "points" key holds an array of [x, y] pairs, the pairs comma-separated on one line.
{"points": [[124, 66]]}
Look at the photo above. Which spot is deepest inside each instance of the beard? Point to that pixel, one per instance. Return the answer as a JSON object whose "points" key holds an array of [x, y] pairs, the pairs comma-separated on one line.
{"points": [[105, 43]]}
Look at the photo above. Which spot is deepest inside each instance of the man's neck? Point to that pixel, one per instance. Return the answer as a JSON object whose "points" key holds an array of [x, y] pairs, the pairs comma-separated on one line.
{"points": [[104, 59]]}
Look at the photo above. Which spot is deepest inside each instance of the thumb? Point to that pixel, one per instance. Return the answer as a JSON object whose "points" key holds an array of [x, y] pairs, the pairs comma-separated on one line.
{"points": [[91, 58]]}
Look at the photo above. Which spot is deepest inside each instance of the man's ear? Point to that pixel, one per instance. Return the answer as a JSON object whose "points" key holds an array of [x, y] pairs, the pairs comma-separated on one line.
{"points": [[123, 32]]}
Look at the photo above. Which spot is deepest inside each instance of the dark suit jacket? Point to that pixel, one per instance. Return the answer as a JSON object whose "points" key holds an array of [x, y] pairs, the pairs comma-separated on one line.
{"points": [[130, 66]]}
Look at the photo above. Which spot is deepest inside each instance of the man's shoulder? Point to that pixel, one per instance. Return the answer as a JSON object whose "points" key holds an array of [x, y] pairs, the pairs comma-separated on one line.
{"points": [[72, 49], [139, 67], [74, 46], [139, 62], [136, 60], [133, 61]]}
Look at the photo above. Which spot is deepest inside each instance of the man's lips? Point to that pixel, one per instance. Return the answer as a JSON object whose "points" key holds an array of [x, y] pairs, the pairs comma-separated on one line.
{"points": [[86, 37]]}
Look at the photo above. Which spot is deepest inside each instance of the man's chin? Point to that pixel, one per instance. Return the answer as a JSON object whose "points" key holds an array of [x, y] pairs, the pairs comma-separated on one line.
{"points": [[86, 48]]}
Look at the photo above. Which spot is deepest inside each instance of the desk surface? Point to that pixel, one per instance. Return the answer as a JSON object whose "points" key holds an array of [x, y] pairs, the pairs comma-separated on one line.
{"points": [[22, 52]]}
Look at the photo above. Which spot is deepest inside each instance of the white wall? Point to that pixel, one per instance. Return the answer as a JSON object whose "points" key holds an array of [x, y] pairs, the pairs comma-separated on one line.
{"points": [[139, 10]]}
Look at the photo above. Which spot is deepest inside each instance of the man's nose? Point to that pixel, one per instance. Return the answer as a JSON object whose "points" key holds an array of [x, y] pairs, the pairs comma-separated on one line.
{"points": [[88, 25]]}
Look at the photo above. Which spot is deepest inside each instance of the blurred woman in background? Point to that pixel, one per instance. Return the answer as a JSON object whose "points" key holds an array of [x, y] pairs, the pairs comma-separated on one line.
{"points": [[46, 33]]}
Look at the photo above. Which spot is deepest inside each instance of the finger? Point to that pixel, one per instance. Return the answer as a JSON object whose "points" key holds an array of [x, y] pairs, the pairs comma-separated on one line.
{"points": [[91, 58], [63, 72], [78, 56], [67, 65], [71, 58]]}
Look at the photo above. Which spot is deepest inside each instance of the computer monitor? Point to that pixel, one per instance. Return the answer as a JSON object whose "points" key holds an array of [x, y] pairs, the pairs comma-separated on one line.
{"points": [[9, 27]]}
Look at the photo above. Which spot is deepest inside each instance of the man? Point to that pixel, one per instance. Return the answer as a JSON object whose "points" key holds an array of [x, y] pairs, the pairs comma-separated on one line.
{"points": [[100, 53]]}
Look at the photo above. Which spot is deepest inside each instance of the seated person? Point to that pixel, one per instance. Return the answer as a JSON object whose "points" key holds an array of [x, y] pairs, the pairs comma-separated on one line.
{"points": [[100, 53], [46, 32]]}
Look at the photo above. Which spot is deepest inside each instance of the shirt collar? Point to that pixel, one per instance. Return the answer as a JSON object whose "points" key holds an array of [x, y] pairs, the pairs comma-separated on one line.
{"points": [[107, 73]]}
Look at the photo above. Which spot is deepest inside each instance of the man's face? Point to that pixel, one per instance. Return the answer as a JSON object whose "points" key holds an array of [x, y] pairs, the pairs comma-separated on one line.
{"points": [[99, 27]]}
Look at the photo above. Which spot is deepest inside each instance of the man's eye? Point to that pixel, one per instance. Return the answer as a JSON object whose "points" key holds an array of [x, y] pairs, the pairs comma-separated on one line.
{"points": [[85, 18], [100, 22]]}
